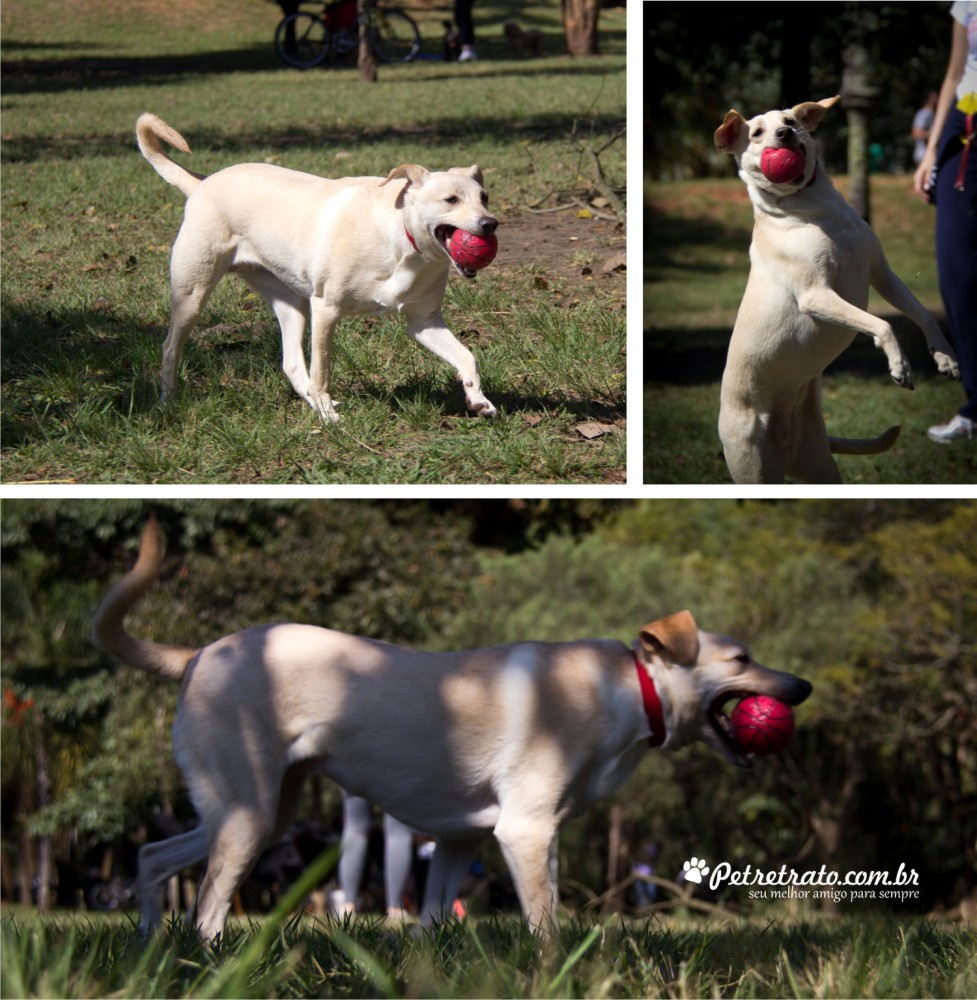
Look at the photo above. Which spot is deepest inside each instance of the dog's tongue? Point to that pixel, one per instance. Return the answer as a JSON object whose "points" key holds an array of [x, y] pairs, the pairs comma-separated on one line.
{"points": [[781, 165]]}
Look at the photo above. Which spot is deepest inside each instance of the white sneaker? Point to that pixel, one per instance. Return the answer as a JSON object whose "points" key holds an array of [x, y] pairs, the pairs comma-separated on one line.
{"points": [[467, 54], [958, 428]]}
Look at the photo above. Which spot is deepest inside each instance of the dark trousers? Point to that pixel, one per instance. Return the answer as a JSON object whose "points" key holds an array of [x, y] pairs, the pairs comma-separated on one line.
{"points": [[956, 251], [463, 18]]}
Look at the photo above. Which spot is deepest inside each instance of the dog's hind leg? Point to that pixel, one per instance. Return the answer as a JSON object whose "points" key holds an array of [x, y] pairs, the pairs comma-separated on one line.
{"points": [[159, 861], [234, 848], [810, 459], [431, 332], [192, 279]]}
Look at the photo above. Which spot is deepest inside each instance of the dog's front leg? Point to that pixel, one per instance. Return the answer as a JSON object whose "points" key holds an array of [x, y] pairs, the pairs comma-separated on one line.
{"points": [[827, 306], [892, 289], [430, 331], [324, 320], [529, 848]]}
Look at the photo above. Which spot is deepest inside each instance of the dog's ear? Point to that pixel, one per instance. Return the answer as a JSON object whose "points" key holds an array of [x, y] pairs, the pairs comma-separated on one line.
{"points": [[415, 174], [810, 113], [474, 171], [731, 135], [676, 635]]}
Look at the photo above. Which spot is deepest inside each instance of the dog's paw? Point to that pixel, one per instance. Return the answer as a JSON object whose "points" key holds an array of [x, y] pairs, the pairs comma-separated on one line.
{"points": [[323, 404], [481, 407], [947, 365], [902, 375]]}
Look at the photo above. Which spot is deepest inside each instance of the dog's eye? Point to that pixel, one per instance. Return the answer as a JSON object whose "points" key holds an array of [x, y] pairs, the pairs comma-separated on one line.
{"points": [[744, 659], [485, 199], [757, 132], [789, 121], [452, 199]]}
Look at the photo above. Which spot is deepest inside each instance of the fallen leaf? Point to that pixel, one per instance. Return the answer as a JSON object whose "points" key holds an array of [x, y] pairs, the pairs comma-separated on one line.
{"points": [[592, 429]]}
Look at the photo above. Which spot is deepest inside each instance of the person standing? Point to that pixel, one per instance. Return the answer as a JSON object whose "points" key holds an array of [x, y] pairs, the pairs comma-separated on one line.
{"points": [[947, 176]]}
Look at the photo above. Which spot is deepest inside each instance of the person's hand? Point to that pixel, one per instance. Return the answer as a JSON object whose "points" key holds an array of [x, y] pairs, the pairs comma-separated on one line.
{"points": [[923, 176]]}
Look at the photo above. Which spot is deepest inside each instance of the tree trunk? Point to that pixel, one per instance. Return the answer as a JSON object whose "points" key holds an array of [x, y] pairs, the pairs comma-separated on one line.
{"points": [[614, 841], [366, 61], [43, 779], [580, 25], [857, 93]]}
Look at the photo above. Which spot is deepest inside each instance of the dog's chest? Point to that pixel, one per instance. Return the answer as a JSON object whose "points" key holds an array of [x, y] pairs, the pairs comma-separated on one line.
{"points": [[392, 294]]}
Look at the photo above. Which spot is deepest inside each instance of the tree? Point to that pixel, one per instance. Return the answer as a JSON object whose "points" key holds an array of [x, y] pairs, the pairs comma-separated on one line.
{"points": [[580, 24], [366, 59]]}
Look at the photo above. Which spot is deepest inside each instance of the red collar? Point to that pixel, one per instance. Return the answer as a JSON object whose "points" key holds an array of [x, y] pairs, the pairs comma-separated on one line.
{"points": [[652, 704], [411, 240]]}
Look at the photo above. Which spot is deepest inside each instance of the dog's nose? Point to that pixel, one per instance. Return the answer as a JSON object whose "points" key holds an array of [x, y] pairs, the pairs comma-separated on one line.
{"points": [[487, 225], [784, 132], [802, 690]]}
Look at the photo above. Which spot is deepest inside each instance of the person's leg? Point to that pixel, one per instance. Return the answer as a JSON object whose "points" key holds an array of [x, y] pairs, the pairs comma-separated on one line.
{"points": [[466, 29], [956, 254], [398, 844], [352, 860]]}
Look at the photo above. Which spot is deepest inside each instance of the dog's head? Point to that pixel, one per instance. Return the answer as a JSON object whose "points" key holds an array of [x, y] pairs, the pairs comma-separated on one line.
{"points": [[778, 130], [696, 673], [436, 203]]}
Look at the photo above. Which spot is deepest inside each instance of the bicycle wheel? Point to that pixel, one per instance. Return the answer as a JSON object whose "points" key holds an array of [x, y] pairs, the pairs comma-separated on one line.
{"points": [[394, 36], [302, 40]]}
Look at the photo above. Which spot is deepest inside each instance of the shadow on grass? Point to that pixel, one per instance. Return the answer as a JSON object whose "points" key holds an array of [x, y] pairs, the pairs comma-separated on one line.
{"points": [[698, 357], [54, 361], [671, 243], [100, 72], [76, 145]]}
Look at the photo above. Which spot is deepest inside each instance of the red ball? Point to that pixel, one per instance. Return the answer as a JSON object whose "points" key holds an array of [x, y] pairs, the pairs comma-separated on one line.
{"points": [[762, 725], [781, 165], [470, 250]]}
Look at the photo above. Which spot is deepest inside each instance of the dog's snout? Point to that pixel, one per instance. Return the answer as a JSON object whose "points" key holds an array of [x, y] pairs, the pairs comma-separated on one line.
{"points": [[786, 134], [801, 691], [487, 225]]}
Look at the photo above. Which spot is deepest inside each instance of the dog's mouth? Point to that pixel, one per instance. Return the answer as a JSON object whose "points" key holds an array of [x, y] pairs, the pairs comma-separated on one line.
{"points": [[722, 726], [791, 693], [443, 234]]}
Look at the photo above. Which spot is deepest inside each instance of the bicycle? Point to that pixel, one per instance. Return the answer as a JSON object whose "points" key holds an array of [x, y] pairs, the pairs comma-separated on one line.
{"points": [[308, 38]]}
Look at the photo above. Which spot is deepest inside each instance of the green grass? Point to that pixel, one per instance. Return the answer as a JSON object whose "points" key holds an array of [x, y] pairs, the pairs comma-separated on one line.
{"points": [[92, 956], [695, 271], [88, 226]]}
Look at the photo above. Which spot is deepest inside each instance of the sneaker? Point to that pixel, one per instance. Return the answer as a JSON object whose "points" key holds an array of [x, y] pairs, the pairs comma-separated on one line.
{"points": [[959, 427], [467, 54]]}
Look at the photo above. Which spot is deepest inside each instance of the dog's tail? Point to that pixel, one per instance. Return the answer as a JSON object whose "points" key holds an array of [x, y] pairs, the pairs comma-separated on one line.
{"points": [[149, 131], [869, 446], [108, 629]]}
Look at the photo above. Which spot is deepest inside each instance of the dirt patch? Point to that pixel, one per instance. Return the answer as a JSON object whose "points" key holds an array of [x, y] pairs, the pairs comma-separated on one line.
{"points": [[564, 248]]}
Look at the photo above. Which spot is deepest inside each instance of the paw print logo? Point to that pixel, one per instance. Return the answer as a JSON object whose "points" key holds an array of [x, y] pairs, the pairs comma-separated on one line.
{"points": [[695, 870]]}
